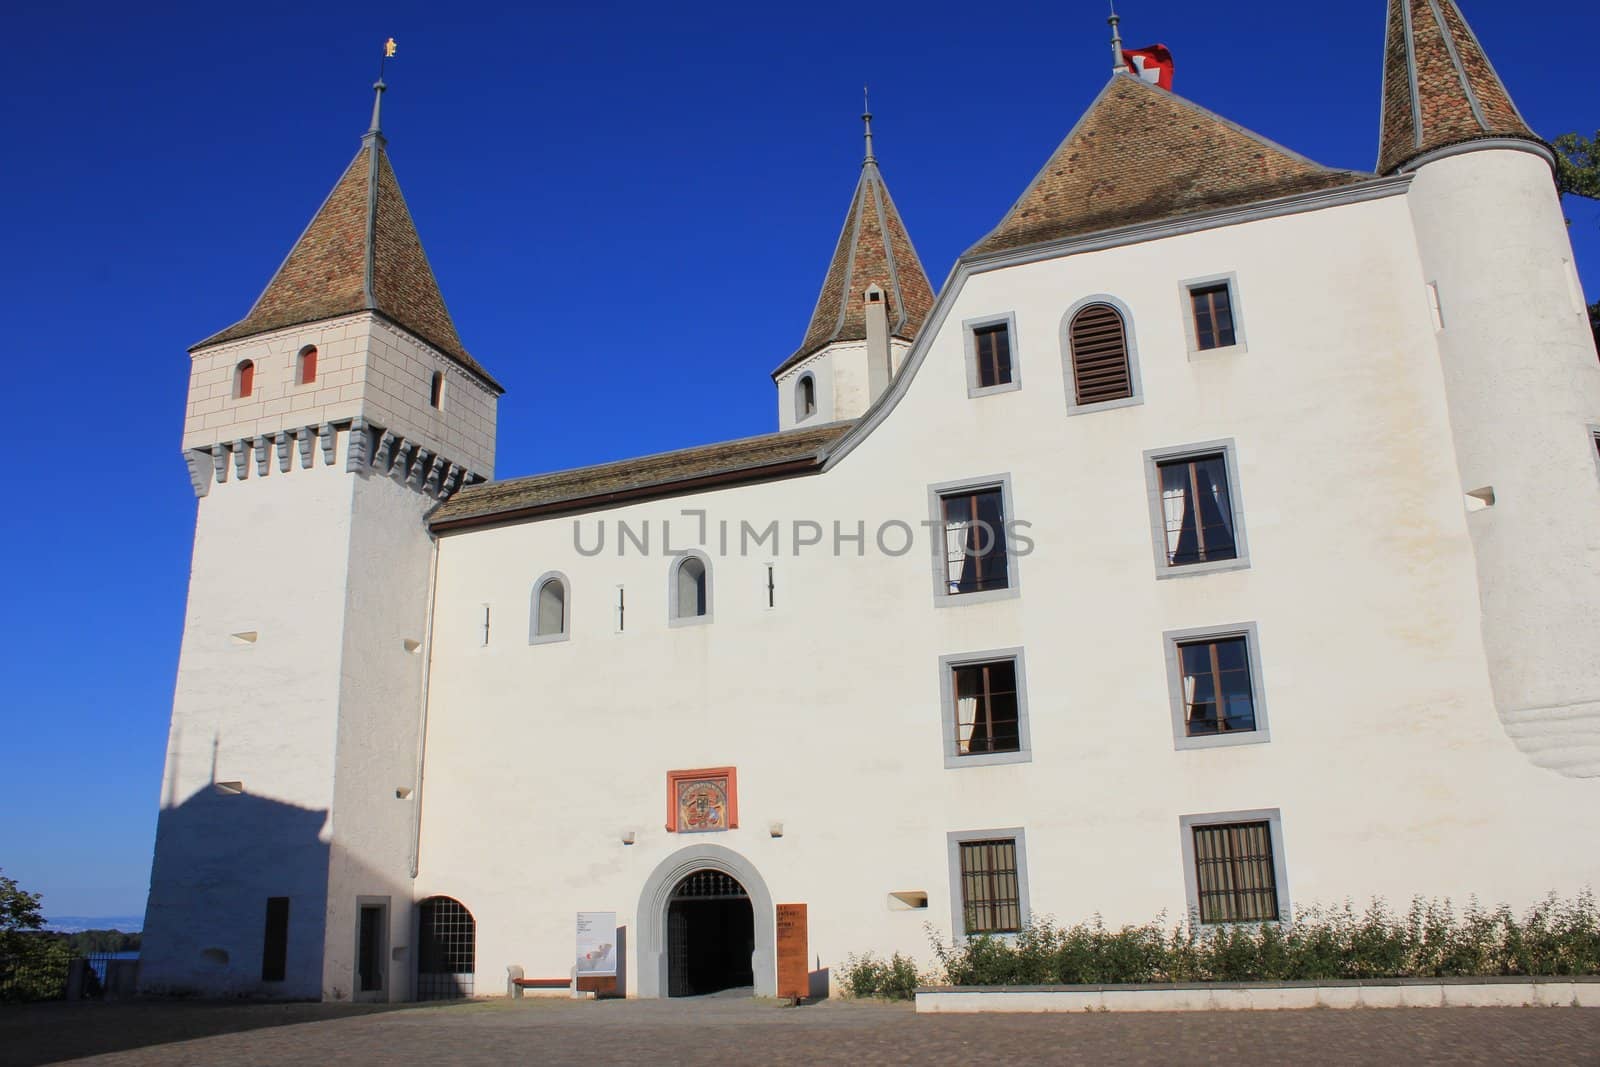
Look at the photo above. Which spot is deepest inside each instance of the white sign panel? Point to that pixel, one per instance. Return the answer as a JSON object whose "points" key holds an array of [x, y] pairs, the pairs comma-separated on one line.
{"points": [[597, 944]]}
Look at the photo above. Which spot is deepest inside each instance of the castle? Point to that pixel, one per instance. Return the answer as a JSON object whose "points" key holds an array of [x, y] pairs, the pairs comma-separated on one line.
{"points": [[1221, 537]]}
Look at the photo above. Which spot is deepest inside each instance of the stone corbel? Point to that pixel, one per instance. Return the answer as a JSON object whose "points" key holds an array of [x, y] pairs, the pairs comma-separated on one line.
{"points": [[198, 460], [435, 475], [219, 462], [360, 446], [241, 459], [303, 437], [283, 451], [452, 480], [419, 468], [403, 451], [263, 454], [325, 432], [385, 454]]}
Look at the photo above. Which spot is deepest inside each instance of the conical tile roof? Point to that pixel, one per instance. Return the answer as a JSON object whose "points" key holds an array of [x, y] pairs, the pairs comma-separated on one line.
{"points": [[1439, 88], [1141, 154]]}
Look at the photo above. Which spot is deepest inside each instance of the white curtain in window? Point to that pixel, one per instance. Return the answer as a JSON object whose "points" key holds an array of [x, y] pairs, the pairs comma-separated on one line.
{"points": [[1174, 496], [966, 722], [956, 539]]}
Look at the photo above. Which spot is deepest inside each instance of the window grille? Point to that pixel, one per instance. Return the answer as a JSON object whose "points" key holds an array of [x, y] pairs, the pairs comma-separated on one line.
{"points": [[710, 885], [1100, 369], [1213, 317], [992, 346], [447, 949], [1234, 873], [975, 541], [990, 898]]}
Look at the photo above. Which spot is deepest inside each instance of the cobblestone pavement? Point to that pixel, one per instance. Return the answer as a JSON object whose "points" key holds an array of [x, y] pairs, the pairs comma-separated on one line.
{"points": [[741, 1031]]}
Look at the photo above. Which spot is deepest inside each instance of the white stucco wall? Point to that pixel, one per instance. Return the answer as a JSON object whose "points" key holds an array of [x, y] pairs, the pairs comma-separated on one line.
{"points": [[843, 390], [1387, 759]]}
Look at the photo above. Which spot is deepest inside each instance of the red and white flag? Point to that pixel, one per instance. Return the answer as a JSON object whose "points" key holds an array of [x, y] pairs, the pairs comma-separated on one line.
{"points": [[1153, 64]]}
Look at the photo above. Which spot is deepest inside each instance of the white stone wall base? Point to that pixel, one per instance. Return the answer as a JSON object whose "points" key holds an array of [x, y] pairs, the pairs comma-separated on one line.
{"points": [[1582, 993]]}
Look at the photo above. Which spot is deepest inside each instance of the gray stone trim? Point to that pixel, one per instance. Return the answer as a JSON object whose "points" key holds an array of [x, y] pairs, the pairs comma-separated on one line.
{"points": [[219, 460], [968, 327], [281, 439], [950, 292], [359, 447], [1158, 526], [942, 597], [326, 433], [198, 461], [380, 995], [673, 618], [1128, 333], [1235, 303], [947, 710], [1273, 817], [651, 920], [534, 636], [1181, 740], [1455, 60], [1411, 69], [953, 840], [1480, 144], [263, 450], [304, 436]]}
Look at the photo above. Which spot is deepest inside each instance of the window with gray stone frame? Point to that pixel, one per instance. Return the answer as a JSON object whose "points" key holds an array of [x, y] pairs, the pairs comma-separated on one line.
{"points": [[992, 363], [1099, 356], [1212, 317], [1196, 509], [1214, 687], [1234, 870], [988, 881], [973, 557], [689, 592], [550, 612], [984, 708]]}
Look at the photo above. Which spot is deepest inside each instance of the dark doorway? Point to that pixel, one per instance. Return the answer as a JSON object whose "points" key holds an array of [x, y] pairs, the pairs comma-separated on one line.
{"points": [[447, 937], [711, 935], [369, 950]]}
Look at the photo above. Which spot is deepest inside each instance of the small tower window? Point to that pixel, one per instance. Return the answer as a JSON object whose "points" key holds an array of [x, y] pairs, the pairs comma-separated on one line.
{"points": [[805, 398], [549, 609], [244, 379], [306, 366], [691, 589], [436, 390]]}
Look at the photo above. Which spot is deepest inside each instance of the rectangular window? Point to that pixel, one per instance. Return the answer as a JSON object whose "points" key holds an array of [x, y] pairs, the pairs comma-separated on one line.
{"points": [[1213, 316], [986, 717], [1235, 872], [992, 349], [974, 541], [1197, 510], [275, 942], [1217, 686], [991, 900]]}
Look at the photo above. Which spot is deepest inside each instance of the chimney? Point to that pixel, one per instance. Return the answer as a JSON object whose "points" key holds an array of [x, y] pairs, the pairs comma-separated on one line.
{"points": [[877, 315]]}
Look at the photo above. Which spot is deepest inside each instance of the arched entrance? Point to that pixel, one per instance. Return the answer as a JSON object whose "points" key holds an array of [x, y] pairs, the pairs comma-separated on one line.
{"points": [[719, 917], [711, 935], [447, 949]]}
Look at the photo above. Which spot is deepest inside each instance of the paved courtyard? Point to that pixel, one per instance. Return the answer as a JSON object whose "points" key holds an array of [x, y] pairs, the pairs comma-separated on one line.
{"points": [[733, 1031]]}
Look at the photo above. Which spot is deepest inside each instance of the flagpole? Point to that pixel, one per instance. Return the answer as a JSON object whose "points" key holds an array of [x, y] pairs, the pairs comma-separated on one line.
{"points": [[1118, 63]]}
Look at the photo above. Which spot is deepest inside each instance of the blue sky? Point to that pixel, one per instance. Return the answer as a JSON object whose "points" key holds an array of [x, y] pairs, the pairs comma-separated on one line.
{"points": [[675, 176]]}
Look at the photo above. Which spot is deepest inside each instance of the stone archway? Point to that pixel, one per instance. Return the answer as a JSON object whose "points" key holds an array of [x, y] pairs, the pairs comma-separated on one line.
{"points": [[657, 896]]}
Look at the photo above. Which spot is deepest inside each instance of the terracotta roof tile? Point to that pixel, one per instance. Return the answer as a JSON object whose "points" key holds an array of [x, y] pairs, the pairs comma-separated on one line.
{"points": [[1141, 154], [1439, 88], [749, 459], [325, 274]]}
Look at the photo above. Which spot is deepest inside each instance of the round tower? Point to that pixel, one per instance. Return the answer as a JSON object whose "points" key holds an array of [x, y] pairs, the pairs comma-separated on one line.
{"points": [[1521, 379]]}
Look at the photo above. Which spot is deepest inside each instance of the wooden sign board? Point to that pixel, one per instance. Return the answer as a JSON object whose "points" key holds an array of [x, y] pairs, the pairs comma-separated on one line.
{"points": [[794, 971]]}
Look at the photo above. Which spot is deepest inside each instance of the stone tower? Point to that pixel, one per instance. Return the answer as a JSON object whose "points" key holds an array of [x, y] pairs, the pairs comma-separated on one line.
{"points": [[320, 430], [1519, 368], [874, 299]]}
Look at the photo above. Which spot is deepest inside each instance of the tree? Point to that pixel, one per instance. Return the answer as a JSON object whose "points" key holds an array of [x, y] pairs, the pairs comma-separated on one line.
{"points": [[1578, 165], [19, 915]]}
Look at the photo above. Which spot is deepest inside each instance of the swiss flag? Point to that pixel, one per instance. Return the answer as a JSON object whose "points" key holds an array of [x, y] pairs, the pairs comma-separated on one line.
{"points": [[1153, 64]]}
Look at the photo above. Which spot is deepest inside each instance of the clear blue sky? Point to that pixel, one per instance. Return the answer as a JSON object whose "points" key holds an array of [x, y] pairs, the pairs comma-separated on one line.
{"points": [[675, 174]]}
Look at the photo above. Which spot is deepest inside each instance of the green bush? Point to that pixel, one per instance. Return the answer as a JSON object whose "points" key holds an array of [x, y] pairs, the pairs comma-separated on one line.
{"points": [[1430, 940], [866, 976]]}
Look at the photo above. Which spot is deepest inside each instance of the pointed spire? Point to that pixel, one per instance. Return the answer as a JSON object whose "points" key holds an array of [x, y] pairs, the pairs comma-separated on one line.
{"points": [[1439, 88], [866, 118], [874, 249], [360, 252], [1118, 63]]}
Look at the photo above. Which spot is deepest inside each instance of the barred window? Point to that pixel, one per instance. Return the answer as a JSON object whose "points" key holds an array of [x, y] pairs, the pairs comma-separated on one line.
{"points": [[447, 937], [986, 707], [992, 347], [1100, 368], [1235, 874], [990, 894], [974, 540], [1213, 316]]}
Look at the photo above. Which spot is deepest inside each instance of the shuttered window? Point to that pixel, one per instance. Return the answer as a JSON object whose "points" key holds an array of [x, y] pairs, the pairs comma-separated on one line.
{"points": [[1100, 369], [991, 900], [1235, 874]]}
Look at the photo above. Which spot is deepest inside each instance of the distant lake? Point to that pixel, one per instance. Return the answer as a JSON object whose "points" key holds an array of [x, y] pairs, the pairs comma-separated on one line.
{"points": [[97, 961]]}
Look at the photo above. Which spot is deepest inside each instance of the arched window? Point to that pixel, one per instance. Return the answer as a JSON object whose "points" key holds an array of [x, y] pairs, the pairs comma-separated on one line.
{"points": [[436, 390], [691, 588], [306, 366], [1100, 367], [805, 398], [549, 612], [447, 949], [244, 379]]}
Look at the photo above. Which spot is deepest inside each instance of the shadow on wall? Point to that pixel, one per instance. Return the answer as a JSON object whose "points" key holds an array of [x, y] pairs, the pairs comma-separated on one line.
{"points": [[210, 930]]}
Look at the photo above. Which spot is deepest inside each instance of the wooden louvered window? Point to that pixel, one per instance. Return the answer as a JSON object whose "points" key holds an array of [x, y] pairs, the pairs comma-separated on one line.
{"points": [[1235, 873], [1213, 317], [991, 896], [991, 346], [1100, 366]]}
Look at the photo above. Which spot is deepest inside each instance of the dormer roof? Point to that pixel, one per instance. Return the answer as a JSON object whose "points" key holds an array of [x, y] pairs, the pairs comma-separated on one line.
{"points": [[361, 252], [1141, 154], [873, 249], [1439, 88]]}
